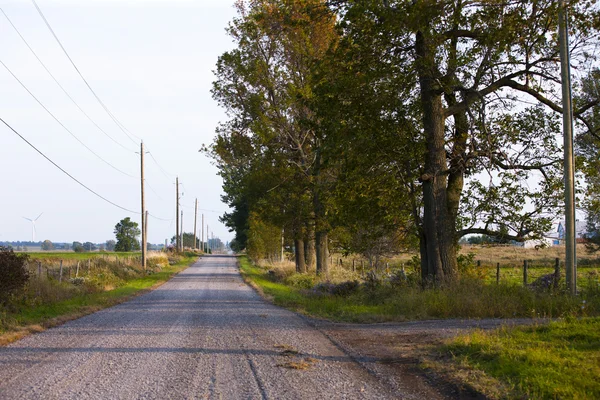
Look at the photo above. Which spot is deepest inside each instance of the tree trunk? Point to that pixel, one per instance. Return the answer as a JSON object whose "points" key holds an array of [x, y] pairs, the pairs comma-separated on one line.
{"points": [[309, 245], [322, 253], [439, 228], [299, 253]]}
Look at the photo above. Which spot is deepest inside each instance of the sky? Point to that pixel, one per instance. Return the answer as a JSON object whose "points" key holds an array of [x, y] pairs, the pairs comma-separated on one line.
{"points": [[151, 63]]}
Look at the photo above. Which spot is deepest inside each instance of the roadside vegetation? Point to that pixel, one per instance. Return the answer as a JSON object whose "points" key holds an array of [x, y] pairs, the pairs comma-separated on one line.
{"points": [[559, 360], [93, 282], [398, 295]]}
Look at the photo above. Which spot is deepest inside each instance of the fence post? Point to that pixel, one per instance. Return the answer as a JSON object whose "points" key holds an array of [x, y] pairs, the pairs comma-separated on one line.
{"points": [[77, 272], [61, 272], [556, 277], [40, 269], [353, 265], [497, 273], [478, 263], [525, 262], [89, 262]]}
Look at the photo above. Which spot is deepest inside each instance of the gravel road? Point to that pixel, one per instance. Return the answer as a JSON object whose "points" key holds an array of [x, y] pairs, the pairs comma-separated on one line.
{"points": [[203, 334]]}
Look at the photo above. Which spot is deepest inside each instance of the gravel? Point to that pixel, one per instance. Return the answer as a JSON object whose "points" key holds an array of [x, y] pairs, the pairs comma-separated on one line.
{"points": [[204, 334]]}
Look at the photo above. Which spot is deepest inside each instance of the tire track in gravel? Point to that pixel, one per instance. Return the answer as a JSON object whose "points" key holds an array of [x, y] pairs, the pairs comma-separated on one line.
{"points": [[204, 334]]}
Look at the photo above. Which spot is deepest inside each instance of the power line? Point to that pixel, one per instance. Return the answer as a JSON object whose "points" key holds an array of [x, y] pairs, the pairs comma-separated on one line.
{"points": [[165, 173], [65, 172], [110, 114], [63, 125], [59, 85], [122, 127]]}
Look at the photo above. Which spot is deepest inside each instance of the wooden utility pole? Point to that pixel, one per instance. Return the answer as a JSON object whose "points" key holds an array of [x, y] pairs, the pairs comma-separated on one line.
{"points": [[195, 218], [203, 248], [144, 213], [207, 239], [177, 213], [181, 234], [146, 242], [565, 72]]}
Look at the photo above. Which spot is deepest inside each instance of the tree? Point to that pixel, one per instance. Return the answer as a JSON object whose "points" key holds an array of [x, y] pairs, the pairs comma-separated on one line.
{"points": [[78, 247], [89, 246], [461, 70], [47, 245], [587, 151], [14, 273], [110, 245], [127, 232], [266, 84], [188, 240]]}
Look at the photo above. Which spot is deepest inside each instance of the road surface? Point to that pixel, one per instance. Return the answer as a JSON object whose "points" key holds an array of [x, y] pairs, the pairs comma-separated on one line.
{"points": [[204, 334]]}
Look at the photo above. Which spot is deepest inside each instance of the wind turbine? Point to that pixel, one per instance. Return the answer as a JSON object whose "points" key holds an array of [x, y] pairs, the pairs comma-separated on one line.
{"points": [[33, 226]]}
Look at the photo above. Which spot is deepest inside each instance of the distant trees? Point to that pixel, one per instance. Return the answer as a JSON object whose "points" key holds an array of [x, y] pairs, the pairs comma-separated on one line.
{"points": [[77, 247], [89, 246], [127, 232], [47, 245], [110, 245], [188, 240]]}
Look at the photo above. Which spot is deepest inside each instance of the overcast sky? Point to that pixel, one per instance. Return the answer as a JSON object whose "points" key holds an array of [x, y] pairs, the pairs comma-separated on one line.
{"points": [[151, 63]]}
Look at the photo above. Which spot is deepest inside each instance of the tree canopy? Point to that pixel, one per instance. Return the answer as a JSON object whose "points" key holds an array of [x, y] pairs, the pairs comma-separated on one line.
{"points": [[127, 232], [379, 126]]}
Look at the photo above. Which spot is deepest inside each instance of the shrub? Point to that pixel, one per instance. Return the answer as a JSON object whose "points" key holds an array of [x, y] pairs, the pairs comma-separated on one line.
{"points": [[340, 289], [13, 273], [302, 281]]}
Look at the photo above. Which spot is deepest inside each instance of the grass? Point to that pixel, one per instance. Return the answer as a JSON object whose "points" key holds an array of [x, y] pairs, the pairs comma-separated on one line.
{"points": [[469, 298], [560, 360], [47, 303], [70, 255]]}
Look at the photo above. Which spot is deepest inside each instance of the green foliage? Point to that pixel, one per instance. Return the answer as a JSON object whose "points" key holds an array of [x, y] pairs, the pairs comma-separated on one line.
{"points": [[188, 240], [560, 360], [77, 247], [127, 232], [47, 245], [264, 240], [13, 273], [110, 245]]}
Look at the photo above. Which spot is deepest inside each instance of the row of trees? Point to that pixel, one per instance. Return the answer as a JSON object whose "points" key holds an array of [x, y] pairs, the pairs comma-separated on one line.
{"points": [[398, 124]]}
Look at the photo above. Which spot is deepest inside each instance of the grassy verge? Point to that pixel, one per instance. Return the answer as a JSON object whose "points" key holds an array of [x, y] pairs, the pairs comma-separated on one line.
{"points": [[28, 317], [560, 360], [69, 255], [380, 302]]}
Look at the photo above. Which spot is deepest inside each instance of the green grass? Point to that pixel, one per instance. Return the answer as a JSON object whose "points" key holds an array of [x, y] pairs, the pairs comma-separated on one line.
{"points": [[21, 315], [469, 298], [560, 360]]}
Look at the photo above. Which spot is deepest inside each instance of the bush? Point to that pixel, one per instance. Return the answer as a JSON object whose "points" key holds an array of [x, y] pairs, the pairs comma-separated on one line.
{"points": [[13, 273], [340, 289], [302, 281]]}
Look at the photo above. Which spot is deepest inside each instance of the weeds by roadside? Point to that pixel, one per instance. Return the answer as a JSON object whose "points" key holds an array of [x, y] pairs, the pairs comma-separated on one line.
{"points": [[45, 301], [373, 299]]}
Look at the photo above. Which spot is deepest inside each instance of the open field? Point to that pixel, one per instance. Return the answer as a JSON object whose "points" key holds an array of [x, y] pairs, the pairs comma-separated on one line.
{"points": [[48, 300], [71, 255], [559, 360]]}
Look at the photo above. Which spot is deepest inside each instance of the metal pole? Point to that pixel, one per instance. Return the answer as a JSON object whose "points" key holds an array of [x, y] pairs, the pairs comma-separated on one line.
{"points": [[144, 213], [570, 234], [177, 213]]}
